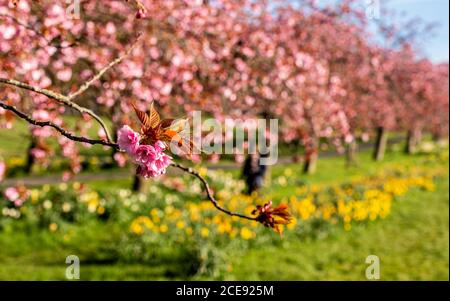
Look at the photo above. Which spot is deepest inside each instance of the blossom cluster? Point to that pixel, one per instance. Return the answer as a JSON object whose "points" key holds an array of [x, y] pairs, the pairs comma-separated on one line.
{"points": [[151, 159], [16, 195], [2, 170]]}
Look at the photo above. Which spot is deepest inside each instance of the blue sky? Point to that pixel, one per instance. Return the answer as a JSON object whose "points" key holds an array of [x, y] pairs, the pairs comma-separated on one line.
{"points": [[435, 47]]}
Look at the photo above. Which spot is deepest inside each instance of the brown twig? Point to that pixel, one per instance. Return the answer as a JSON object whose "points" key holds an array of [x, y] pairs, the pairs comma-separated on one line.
{"points": [[99, 74], [209, 192], [26, 26], [73, 137], [37, 32], [67, 100], [59, 98], [56, 127]]}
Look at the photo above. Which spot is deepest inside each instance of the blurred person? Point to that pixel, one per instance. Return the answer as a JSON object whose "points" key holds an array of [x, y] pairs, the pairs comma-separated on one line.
{"points": [[253, 173]]}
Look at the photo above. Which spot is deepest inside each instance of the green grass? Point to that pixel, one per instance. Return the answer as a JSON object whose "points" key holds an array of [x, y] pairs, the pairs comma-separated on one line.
{"points": [[412, 243], [15, 142]]}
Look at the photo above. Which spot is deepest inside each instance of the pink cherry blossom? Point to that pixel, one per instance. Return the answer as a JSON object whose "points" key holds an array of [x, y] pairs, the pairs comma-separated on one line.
{"points": [[128, 140], [152, 160], [19, 202], [11, 194], [64, 75], [145, 154], [2, 170], [16, 195], [160, 146], [120, 159], [38, 153]]}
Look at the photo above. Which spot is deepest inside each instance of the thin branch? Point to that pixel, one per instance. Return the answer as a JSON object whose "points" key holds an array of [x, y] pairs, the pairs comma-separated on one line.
{"points": [[67, 100], [209, 192], [89, 83], [38, 33], [56, 127], [59, 98], [73, 137], [26, 26], [50, 94], [139, 6]]}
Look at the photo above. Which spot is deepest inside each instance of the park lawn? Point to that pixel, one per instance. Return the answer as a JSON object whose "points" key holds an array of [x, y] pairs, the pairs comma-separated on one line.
{"points": [[14, 142], [412, 243]]}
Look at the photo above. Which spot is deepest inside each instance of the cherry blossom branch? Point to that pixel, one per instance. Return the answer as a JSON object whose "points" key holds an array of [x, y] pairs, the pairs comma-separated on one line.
{"points": [[56, 127], [140, 8], [24, 25], [99, 74], [59, 98], [209, 192], [67, 100], [73, 137]]}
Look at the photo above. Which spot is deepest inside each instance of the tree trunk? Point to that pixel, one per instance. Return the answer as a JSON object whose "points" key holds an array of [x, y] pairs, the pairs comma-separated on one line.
{"points": [[114, 151], [30, 158], [380, 144], [350, 153], [138, 184], [437, 137], [412, 140], [253, 173], [310, 165]]}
